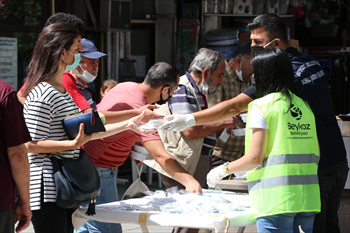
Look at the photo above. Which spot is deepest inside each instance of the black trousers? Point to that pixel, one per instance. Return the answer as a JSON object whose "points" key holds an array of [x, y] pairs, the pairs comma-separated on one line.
{"points": [[332, 181], [52, 218], [7, 220]]}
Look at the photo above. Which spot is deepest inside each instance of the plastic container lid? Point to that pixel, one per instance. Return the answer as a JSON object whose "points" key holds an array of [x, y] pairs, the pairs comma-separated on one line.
{"points": [[140, 149], [238, 132], [153, 124], [138, 156], [244, 117]]}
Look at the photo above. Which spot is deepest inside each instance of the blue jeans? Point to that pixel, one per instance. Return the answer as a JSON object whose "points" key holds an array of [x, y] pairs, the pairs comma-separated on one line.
{"points": [[109, 193], [286, 223]]}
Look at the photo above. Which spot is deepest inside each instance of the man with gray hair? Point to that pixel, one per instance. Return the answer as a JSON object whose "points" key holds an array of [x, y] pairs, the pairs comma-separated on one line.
{"points": [[192, 146], [238, 72]]}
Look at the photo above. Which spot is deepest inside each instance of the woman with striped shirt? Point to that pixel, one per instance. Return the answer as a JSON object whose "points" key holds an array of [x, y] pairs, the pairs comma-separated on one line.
{"points": [[47, 104]]}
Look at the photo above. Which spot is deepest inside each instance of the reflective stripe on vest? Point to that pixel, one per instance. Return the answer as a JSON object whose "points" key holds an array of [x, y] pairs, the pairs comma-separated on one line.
{"points": [[289, 159], [282, 181], [274, 160]]}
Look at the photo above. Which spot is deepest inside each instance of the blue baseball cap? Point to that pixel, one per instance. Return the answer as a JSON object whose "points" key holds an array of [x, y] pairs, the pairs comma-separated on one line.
{"points": [[90, 50]]}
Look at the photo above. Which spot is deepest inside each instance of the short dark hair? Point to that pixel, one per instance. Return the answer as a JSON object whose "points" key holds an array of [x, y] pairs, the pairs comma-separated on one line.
{"points": [[73, 20], [272, 24], [160, 74], [243, 50], [273, 72]]}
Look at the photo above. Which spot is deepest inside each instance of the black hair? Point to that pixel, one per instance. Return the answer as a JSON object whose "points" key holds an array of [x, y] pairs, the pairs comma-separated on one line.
{"points": [[160, 74], [272, 24], [243, 50], [273, 72], [67, 18], [47, 53]]}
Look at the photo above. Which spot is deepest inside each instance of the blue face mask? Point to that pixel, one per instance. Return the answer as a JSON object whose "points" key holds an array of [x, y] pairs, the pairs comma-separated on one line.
{"points": [[75, 63]]}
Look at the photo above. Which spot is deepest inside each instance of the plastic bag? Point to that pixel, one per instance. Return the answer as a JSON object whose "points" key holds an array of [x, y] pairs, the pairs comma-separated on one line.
{"points": [[137, 189]]}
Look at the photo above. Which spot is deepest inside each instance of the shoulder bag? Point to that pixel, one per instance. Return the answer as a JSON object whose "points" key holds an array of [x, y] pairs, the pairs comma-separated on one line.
{"points": [[77, 182]]}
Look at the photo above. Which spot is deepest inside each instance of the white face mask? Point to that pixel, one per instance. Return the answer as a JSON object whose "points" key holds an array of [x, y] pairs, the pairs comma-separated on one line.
{"points": [[239, 73], [252, 80], [203, 87], [86, 76]]}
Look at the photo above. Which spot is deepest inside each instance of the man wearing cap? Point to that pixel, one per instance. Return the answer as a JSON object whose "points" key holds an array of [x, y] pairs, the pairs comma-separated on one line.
{"points": [[76, 84], [78, 79]]}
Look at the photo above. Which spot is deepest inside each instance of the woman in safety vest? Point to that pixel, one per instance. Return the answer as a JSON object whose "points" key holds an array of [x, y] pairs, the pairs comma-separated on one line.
{"points": [[282, 151]]}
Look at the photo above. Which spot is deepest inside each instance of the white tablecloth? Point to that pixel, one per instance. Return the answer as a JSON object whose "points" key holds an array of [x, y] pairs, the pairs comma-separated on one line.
{"points": [[119, 212]]}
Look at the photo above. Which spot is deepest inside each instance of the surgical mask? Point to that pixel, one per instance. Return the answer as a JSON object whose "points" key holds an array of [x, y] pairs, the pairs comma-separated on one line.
{"points": [[252, 80], [75, 63], [203, 87], [239, 73], [162, 101], [86, 76], [257, 49]]}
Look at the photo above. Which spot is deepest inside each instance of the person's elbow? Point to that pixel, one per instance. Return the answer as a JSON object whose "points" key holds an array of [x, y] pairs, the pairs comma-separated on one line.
{"points": [[17, 154], [190, 133], [31, 147]]}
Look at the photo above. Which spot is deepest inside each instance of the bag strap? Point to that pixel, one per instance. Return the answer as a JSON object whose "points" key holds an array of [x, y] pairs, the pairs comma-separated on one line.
{"points": [[93, 120], [139, 171]]}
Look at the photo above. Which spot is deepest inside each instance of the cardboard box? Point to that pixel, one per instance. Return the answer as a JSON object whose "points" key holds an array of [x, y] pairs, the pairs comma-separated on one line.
{"points": [[294, 43], [243, 7], [344, 124]]}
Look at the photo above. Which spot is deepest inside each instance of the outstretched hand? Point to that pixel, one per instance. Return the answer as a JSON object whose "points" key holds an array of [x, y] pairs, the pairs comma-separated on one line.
{"points": [[149, 114], [178, 122], [135, 122]]}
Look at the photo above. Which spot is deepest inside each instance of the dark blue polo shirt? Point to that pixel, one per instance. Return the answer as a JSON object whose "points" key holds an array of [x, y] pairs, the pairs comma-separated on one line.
{"points": [[312, 86]]}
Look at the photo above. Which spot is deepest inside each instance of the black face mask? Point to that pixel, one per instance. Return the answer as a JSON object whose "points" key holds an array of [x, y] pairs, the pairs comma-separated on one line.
{"points": [[256, 50], [162, 101]]}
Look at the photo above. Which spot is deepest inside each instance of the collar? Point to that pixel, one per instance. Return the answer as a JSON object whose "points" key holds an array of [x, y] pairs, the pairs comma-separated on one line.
{"points": [[230, 74], [191, 80], [80, 85]]}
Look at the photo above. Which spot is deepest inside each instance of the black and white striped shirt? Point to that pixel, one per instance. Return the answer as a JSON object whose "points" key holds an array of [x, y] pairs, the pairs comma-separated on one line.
{"points": [[44, 110]]}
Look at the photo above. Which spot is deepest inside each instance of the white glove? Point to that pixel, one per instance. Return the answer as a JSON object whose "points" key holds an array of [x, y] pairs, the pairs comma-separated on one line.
{"points": [[178, 122], [215, 175]]}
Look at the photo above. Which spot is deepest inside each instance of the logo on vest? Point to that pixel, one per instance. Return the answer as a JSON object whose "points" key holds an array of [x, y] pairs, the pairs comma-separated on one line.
{"points": [[298, 131], [296, 112]]}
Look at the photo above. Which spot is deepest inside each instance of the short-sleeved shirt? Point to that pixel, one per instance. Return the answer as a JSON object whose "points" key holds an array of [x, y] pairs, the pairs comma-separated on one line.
{"points": [[80, 94], [184, 102], [112, 151], [232, 86], [13, 132], [69, 83], [312, 86], [44, 110]]}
